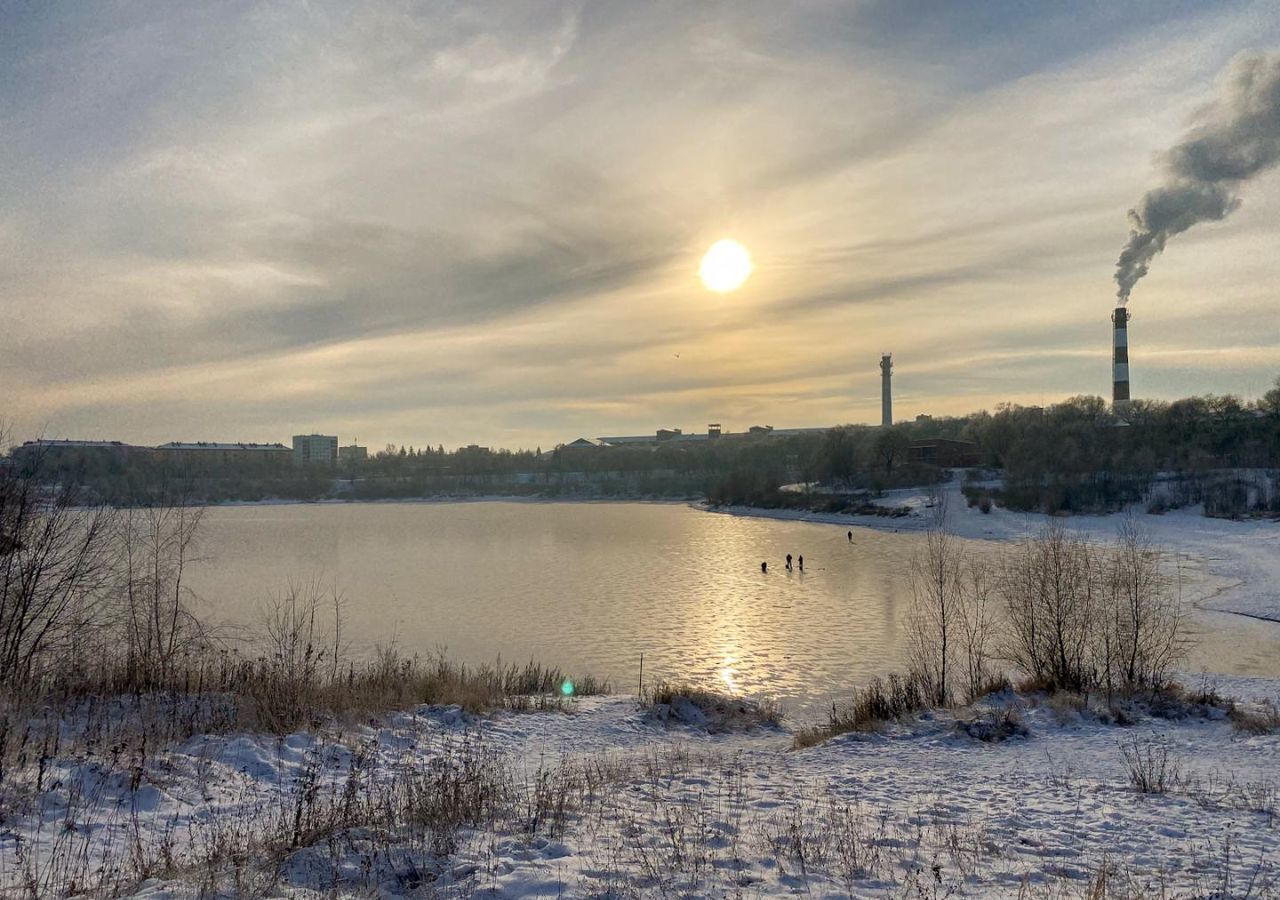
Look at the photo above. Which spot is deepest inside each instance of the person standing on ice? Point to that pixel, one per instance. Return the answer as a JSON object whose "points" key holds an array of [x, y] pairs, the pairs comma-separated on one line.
{"points": [[788, 562]]}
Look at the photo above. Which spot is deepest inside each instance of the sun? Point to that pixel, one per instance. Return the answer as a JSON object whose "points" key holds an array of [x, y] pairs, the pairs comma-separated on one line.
{"points": [[726, 266]]}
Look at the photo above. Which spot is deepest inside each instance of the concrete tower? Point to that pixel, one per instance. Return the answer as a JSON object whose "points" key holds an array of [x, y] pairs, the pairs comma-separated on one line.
{"points": [[886, 391], [1120, 357]]}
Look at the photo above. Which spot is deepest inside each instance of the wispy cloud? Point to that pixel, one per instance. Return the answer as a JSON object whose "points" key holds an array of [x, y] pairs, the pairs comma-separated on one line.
{"points": [[439, 222]]}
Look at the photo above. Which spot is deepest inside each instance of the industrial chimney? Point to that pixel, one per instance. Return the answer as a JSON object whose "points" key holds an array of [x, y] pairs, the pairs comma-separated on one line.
{"points": [[1120, 357], [886, 392]]}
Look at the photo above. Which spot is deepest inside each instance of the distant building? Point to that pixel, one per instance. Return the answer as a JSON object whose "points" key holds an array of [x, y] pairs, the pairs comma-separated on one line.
{"points": [[944, 452], [321, 449], [353, 453], [45, 447], [628, 440], [221, 451], [677, 436]]}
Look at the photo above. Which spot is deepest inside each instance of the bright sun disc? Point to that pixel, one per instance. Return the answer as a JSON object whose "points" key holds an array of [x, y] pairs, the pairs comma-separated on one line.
{"points": [[726, 265]]}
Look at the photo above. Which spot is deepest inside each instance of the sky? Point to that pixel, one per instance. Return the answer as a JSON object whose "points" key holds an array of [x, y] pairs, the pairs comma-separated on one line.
{"points": [[453, 223]]}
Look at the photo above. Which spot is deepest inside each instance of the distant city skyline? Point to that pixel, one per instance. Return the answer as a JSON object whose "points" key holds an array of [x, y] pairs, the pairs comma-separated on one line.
{"points": [[451, 224]]}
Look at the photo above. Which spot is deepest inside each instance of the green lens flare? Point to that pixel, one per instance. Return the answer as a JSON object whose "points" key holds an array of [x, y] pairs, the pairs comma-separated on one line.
{"points": [[567, 688]]}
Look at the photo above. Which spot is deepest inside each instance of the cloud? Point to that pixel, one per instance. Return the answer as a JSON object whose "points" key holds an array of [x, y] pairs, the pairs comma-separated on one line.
{"points": [[440, 222]]}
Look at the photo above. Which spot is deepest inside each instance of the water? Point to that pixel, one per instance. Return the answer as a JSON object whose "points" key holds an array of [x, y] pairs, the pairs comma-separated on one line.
{"points": [[590, 587]]}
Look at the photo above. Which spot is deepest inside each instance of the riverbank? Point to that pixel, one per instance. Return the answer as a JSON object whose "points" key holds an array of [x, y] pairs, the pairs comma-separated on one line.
{"points": [[445, 499], [1241, 557], [604, 801]]}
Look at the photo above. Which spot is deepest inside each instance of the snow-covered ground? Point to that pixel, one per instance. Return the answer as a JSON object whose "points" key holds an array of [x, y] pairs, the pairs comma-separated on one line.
{"points": [[603, 802]]}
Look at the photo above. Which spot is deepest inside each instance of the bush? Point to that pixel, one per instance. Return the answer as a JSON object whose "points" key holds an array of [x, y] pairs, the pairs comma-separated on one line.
{"points": [[993, 725], [1082, 617], [708, 709], [1152, 768], [880, 702], [1260, 720]]}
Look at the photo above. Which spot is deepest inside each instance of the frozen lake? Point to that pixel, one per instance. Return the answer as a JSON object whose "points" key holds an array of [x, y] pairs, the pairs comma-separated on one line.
{"points": [[591, 586]]}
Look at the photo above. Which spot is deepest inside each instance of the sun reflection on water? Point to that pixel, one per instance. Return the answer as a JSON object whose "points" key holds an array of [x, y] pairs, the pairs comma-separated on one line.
{"points": [[729, 676]]}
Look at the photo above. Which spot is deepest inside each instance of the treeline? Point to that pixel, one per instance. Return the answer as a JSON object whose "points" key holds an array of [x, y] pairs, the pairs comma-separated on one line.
{"points": [[1078, 455], [1081, 456]]}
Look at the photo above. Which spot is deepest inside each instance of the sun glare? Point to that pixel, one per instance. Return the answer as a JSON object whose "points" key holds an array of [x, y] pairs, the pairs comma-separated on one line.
{"points": [[726, 266]]}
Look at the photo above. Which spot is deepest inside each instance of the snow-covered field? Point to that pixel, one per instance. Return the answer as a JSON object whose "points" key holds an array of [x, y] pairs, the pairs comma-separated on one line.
{"points": [[603, 802]]}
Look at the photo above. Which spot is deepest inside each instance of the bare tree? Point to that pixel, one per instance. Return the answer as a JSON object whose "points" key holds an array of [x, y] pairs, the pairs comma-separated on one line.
{"points": [[1050, 589], [55, 570], [977, 624], [936, 613], [302, 651], [1148, 625], [154, 545]]}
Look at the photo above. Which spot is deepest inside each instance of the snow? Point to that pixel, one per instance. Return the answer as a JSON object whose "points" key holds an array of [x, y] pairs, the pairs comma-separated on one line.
{"points": [[678, 811]]}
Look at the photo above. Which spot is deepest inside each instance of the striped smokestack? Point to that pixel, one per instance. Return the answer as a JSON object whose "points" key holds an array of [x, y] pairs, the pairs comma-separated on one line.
{"points": [[1120, 357]]}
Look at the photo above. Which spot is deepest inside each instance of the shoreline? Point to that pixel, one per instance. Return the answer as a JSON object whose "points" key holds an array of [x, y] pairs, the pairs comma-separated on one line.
{"points": [[1242, 557], [443, 499]]}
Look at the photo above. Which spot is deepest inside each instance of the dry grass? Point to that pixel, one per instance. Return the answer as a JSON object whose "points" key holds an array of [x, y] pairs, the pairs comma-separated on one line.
{"points": [[81, 711], [714, 710], [1261, 719], [993, 724], [1151, 765], [880, 702]]}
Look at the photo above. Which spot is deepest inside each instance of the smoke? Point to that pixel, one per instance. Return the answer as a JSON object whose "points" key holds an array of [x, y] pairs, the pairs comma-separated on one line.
{"points": [[1238, 136]]}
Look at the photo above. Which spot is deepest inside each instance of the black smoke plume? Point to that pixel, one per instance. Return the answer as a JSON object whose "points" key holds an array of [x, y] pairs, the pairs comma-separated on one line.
{"points": [[1237, 137]]}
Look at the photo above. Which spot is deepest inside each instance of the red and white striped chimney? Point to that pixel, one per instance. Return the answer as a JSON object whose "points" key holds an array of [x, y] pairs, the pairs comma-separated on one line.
{"points": [[1120, 357]]}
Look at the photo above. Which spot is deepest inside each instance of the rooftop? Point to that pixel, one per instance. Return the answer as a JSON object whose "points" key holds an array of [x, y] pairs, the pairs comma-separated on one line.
{"points": [[46, 442], [216, 445]]}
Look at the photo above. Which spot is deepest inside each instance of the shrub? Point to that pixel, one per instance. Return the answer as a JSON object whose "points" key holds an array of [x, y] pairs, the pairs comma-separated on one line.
{"points": [[1259, 720], [880, 702], [993, 725], [714, 710], [1067, 705], [1151, 766]]}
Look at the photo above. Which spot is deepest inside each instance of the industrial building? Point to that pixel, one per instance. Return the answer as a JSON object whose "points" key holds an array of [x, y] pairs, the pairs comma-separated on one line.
{"points": [[315, 449], [663, 436]]}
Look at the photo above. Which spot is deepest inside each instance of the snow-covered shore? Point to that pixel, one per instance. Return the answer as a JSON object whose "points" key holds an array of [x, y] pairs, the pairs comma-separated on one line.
{"points": [[1243, 557], [603, 802]]}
